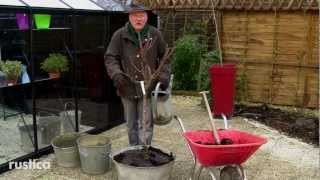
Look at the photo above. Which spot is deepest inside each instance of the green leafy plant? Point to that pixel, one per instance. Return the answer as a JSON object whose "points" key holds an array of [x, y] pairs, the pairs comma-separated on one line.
{"points": [[195, 27], [55, 63], [210, 58], [186, 62], [11, 68]]}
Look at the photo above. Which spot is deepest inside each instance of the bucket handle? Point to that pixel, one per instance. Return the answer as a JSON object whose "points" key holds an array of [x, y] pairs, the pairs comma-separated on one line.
{"points": [[155, 110], [67, 113], [68, 103], [170, 84]]}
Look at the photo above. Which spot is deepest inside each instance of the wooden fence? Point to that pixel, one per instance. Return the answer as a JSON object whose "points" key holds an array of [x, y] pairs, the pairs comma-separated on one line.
{"points": [[276, 52], [275, 44]]}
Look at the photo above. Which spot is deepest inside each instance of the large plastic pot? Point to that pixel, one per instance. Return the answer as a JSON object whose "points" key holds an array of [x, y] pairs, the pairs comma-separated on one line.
{"points": [[22, 21], [42, 21], [222, 88], [126, 172]]}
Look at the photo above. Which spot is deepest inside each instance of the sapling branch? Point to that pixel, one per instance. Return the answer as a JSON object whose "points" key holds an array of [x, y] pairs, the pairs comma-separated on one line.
{"points": [[149, 77]]}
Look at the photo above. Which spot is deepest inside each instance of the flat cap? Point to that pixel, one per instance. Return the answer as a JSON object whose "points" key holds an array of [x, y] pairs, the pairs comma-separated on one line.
{"points": [[136, 8]]}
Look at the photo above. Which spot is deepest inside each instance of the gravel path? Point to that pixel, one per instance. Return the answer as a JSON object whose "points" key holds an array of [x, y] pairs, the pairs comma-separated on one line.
{"points": [[282, 158]]}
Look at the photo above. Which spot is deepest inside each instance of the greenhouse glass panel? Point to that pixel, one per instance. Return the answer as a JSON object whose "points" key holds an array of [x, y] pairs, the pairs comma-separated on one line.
{"points": [[110, 5], [11, 3], [16, 125], [46, 4], [82, 4]]}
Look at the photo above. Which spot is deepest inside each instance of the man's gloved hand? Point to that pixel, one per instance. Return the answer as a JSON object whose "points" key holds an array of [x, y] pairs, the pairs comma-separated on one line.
{"points": [[124, 85], [164, 83], [120, 83]]}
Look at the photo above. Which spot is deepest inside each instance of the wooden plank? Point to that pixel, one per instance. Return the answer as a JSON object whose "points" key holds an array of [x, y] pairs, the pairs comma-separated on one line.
{"points": [[234, 46], [260, 53], [253, 47], [233, 53], [284, 100], [258, 62], [234, 37]]}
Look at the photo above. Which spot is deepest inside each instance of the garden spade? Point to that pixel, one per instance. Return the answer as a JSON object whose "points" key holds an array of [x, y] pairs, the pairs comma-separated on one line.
{"points": [[214, 130]]}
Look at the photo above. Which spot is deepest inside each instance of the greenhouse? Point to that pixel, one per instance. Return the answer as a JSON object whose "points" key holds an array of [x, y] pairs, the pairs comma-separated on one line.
{"points": [[35, 105]]}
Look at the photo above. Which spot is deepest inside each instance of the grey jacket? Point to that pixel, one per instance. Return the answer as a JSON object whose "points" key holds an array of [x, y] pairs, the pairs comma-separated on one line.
{"points": [[122, 57]]}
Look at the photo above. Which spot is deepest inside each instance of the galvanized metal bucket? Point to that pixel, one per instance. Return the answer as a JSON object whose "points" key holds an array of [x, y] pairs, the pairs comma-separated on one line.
{"points": [[27, 137], [66, 150], [94, 153], [68, 118], [49, 127], [126, 172]]}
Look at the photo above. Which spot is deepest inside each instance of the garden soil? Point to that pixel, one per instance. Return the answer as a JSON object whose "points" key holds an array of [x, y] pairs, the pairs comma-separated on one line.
{"points": [[294, 124]]}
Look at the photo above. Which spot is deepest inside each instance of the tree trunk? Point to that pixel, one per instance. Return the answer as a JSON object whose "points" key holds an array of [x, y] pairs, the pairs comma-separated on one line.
{"points": [[144, 118]]}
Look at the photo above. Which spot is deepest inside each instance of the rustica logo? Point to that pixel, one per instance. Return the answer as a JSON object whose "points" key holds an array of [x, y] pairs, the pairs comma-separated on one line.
{"points": [[31, 164]]}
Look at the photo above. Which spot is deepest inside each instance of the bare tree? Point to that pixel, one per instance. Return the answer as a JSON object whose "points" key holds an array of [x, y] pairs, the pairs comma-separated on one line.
{"points": [[150, 76]]}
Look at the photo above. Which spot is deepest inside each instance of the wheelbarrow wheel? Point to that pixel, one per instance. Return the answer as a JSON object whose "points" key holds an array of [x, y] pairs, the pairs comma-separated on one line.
{"points": [[232, 173]]}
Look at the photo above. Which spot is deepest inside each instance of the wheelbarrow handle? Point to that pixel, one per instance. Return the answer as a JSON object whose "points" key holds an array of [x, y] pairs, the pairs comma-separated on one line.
{"points": [[180, 123], [225, 121], [184, 130]]}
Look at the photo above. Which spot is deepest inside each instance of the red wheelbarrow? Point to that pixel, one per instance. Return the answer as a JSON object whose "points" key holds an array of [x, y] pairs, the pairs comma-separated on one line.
{"points": [[220, 151], [222, 161]]}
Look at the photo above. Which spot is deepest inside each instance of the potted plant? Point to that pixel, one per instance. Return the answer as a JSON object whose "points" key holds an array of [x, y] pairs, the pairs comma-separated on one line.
{"points": [[55, 64], [12, 70]]}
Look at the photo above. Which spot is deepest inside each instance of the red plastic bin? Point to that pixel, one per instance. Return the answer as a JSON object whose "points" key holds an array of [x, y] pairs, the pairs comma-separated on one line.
{"points": [[244, 145], [222, 88]]}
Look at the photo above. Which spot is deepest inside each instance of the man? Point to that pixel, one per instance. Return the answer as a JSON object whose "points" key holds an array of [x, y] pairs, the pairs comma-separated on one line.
{"points": [[123, 64]]}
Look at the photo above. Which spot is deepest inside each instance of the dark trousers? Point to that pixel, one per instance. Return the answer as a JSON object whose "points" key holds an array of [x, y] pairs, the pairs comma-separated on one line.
{"points": [[133, 115]]}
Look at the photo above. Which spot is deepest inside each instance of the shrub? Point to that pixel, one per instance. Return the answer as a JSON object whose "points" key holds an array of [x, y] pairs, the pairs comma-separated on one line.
{"points": [[185, 66], [210, 58]]}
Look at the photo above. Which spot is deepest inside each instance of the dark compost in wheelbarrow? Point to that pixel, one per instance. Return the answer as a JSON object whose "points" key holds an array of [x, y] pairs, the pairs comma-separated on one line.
{"points": [[244, 145]]}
